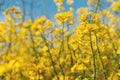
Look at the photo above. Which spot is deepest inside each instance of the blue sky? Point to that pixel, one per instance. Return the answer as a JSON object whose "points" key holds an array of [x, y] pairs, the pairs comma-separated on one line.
{"points": [[51, 8], [41, 7]]}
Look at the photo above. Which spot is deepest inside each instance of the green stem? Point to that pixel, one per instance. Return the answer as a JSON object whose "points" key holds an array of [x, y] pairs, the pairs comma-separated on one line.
{"points": [[61, 48], [33, 43], [93, 55], [52, 61], [115, 50], [100, 57]]}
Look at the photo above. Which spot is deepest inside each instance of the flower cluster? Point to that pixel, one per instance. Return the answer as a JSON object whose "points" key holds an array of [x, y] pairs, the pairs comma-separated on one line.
{"points": [[65, 49]]}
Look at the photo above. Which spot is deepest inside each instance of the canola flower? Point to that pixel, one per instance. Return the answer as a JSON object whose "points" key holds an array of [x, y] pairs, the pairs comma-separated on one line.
{"points": [[67, 49], [64, 17]]}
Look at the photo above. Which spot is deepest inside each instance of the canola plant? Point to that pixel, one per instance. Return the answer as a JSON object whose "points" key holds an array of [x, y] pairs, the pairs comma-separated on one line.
{"points": [[65, 49]]}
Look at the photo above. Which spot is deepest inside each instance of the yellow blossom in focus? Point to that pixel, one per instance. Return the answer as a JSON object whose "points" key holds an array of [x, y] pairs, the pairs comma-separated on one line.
{"points": [[63, 17]]}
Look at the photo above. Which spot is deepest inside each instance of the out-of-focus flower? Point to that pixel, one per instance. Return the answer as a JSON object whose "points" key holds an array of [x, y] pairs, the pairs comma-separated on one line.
{"points": [[116, 5], [92, 1], [82, 10], [70, 2]]}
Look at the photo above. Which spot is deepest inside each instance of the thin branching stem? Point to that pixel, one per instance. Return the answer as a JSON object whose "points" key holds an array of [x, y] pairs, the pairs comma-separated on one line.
{"points": [[93, 55], [100, 57], [52, 61]]}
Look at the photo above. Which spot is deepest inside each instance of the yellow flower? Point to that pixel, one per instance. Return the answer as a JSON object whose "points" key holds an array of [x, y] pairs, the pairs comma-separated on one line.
{"points": [[85, 79], [118, 51], [9, 20], [58, 2], [73, 68], [60, 8], [81, 67], [70, 2], [118, 73], [2, 69], [90, 2], [45, 48], [115, 6], [63, 17], [11, 64], [82, 10]]}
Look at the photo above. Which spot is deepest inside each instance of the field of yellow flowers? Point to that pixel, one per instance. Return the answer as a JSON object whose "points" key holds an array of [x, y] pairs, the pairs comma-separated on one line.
{"points": [[65, 49]]}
